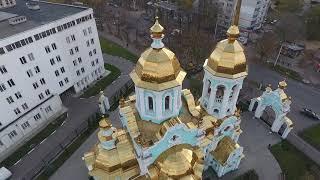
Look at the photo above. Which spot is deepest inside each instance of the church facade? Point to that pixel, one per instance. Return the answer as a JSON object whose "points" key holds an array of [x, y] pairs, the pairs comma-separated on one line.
{"points": [[166, 133]]}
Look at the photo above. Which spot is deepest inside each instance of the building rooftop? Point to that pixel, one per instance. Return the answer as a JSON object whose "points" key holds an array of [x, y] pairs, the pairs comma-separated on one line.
{"points": [[47, 13]]}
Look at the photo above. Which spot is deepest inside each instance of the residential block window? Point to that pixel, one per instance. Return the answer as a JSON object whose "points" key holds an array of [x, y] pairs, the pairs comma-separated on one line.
{"points": [[76, 49], [73, 37], [56, 72], [12, 134], [48, 109], [40, 96], [37, 69], [47, 92], [2, 87], [18, 95], [30, 56], [3, 69], [85, 32], [92, 41], [9, 99], [35, 85], [74, 62], [94, 51], [89, 30], [11, 83], [47, 48], [25, 125], [42, 81], [60, 83], [17, 111], [58, 58], [79, 59], [68, 39], [90, 53], [29, 73], [78, 73], [97, 61], [66, 80], [54, 46], [71, 51], [24, 106], [1, 143], [52, 61], [62, 70], [92, 63], [37, 117], [82, 70], [88, 43], [23, 60]]}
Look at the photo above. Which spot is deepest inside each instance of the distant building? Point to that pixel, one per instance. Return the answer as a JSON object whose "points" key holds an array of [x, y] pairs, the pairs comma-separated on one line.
{"points": [[253, 12], [46, 50]]}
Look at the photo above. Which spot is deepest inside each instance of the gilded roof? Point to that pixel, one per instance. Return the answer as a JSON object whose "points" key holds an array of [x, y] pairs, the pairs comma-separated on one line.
{"points": [[223, 150], [157, 28], [228, 59], [158, 66]]}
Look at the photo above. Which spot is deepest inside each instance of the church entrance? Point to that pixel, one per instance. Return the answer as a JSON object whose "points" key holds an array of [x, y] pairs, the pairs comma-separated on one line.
{"points": [[268, 115], [282, 129], [255, 106]]}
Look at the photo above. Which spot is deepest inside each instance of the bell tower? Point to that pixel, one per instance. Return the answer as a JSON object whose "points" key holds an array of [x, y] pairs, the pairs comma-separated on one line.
{"points": [[225, 71]]}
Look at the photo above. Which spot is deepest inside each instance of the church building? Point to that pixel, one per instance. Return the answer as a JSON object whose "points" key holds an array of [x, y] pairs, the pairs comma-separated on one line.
{"points": [[166, 133]]}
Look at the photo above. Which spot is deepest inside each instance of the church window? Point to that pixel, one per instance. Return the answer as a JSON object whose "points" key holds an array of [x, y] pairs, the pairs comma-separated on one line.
{"points": [[167, 103], [150, 103], [209, 88]]}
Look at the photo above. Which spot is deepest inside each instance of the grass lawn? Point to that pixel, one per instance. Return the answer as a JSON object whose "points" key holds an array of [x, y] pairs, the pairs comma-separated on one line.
{"points": [[114, 49], [23, 150], [250, 175], [104, 82], [293, 162], [312, 136]]}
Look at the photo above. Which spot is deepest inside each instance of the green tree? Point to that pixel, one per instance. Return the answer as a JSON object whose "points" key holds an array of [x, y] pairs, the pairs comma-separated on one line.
{"points": [[312, 20]]}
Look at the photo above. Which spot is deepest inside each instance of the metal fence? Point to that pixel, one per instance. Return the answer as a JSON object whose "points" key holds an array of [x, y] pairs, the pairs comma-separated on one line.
{"points": [[44, 164]]}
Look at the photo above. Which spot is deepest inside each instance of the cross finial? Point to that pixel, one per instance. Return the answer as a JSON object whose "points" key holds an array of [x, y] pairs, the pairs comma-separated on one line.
{"points": [[237, 13]]}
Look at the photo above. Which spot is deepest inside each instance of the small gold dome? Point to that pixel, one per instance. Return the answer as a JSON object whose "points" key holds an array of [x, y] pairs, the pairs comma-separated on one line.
{"points": [[157, 28], [228, 58], [104, 123], [283, 84], [158, 66]]}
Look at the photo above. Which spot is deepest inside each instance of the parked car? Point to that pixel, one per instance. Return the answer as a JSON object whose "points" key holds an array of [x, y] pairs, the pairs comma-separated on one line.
{"points": [[309, 113]]}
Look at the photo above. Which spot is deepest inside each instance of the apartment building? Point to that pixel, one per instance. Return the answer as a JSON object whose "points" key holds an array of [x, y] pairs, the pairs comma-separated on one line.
{"points": [[46, 49]]}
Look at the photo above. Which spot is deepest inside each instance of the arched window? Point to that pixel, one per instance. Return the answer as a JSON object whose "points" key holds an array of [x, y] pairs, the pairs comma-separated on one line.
{"points": [[150, 103], [209, 88], [220, 93], [167, 103]]}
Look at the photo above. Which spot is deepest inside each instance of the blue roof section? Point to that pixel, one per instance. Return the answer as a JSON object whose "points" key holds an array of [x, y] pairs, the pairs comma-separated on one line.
{"points": [[47, 13]]}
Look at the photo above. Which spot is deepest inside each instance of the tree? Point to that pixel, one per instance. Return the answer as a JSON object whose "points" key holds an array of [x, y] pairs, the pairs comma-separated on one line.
{"points": [[312, 20], [266, 45]]}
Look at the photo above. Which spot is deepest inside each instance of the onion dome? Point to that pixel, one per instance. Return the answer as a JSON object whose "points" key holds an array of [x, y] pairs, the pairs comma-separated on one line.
{"points": [[228, 59], [157, 68]]}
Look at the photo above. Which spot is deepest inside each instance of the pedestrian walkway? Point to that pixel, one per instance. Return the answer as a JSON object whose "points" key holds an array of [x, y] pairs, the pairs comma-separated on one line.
{"points": [[304, 147], [79, 111]]}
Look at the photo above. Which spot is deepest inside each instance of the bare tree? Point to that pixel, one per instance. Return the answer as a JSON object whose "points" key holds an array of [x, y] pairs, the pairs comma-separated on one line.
{"points": [[266, 45]]}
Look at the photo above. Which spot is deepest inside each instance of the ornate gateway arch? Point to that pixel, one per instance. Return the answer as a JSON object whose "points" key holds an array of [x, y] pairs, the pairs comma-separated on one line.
{"points": [[280, 103]]}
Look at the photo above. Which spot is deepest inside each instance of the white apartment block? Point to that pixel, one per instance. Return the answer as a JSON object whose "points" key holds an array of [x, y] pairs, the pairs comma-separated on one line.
{"points": [[7, 3], [46, 49], [252, 15]]}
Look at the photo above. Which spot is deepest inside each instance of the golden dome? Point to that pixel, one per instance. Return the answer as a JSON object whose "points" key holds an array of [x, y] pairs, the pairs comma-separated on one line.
{"points": [[228, 59], [283, 84], [157, 65], [104, 123]]}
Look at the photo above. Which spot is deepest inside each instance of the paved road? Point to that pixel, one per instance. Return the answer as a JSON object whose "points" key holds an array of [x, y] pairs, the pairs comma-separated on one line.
{"points": [[78, 110]]}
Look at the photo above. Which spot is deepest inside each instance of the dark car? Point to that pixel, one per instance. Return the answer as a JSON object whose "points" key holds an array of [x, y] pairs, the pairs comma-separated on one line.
{"points": [[309, 113]]}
